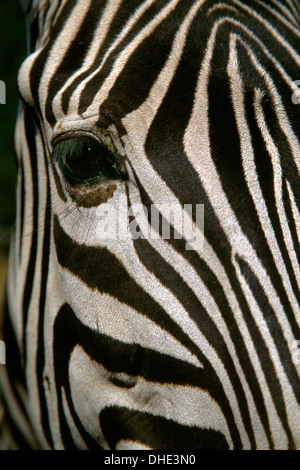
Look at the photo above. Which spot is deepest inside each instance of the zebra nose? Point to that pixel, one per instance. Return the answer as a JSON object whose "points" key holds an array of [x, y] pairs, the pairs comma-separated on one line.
{"points": [[123, 380]]}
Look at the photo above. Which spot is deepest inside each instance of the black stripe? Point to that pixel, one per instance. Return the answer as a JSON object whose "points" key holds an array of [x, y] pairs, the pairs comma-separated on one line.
{"points": [[215, 288], [30, 133], [40, 358], [120, 19], [112, 278], [14, 369], [21, 206], [58, 184], [120, 423], [290, 174], [37, 69], [141, 69], [267, 186], [17, 381], [62, 348], [291, 221], [74, 57], [115, 356], [178, 178], [119, 357], [153, 262], [281, 346], [169, 277]]}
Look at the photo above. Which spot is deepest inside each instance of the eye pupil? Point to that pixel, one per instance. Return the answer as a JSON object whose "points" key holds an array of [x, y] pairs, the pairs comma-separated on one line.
{"points": [[85, 161]]}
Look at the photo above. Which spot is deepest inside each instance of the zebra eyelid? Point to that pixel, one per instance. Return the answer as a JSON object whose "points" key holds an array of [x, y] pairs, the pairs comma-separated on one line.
{"points": [[105, 141]]}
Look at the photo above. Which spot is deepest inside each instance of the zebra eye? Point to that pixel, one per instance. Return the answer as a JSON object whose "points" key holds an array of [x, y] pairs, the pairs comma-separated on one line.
{"points": [[85, 162]]}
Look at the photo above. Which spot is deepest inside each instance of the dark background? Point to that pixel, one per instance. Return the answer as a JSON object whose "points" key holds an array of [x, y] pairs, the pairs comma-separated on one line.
{"points": [[12, 53]]}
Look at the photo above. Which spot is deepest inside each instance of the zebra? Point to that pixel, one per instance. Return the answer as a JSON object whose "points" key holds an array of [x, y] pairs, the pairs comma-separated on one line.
{"points": [[141, 343]]}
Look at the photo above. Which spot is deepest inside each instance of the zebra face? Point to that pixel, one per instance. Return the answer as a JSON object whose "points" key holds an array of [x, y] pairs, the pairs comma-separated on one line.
{"points": [[128, 338]]}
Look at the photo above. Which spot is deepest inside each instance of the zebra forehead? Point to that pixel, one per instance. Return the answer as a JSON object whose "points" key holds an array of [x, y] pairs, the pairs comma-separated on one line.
{"points": [[87, 67], [92, 68]]}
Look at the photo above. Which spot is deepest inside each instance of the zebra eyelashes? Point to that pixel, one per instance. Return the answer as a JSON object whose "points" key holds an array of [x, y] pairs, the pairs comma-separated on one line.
{"points": [[86, 162]]}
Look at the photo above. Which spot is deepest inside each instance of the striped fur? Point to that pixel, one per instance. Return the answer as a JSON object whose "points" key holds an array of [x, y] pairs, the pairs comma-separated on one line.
{"points": [[142, 343]]}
